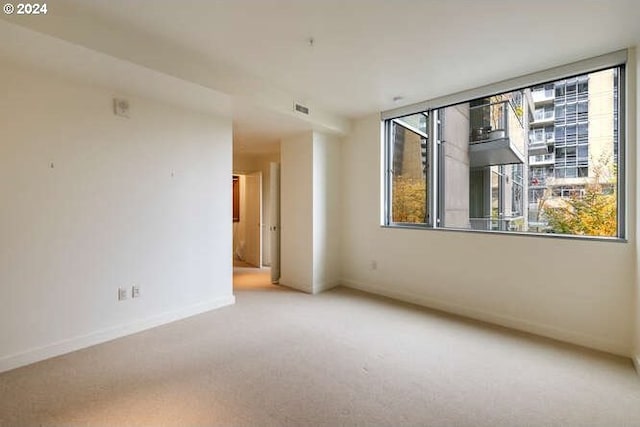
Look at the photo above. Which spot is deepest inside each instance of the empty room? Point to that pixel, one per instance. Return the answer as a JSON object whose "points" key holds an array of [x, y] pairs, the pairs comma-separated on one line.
{"points": [[319, 213]]}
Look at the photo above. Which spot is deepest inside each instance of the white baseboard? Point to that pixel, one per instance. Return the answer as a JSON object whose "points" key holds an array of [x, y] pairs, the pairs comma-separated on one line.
{"points": [[548, 331], [636, 363], [67, 346], [325, 286]]}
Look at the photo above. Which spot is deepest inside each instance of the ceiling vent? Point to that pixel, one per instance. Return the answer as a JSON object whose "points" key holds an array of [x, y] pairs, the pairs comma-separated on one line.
{"points": [[301, 108]]}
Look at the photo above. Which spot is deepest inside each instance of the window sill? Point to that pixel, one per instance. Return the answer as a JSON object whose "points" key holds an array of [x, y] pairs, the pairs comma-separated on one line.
{"points": [[507, 233]]}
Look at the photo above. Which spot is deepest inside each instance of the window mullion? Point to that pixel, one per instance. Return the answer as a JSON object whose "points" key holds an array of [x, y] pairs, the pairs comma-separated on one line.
{"points": [[432, 176], [388, 156]]}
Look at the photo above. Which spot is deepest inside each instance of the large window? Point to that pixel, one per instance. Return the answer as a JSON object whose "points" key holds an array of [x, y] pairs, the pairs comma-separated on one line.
{"points": [[540, 159]]}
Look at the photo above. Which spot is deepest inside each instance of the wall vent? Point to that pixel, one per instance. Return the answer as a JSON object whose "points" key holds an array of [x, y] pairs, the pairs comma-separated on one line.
{"points": [[301, 108]]}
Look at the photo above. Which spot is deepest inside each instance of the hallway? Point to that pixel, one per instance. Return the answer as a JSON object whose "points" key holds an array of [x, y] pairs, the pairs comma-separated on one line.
{"points": [[252, 278]]}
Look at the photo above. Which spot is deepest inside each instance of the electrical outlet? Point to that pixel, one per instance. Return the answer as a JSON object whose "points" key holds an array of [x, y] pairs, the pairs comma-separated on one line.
{"points": [[122, 294], [135, 291]]}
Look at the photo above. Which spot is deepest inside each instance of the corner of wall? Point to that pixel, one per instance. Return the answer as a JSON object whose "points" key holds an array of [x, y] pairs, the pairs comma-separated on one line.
{"points": [[323, 287]]}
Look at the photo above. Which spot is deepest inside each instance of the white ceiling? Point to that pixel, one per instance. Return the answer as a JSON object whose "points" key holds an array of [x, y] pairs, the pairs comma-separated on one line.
{"points": [[366, 52], [258, 131]]}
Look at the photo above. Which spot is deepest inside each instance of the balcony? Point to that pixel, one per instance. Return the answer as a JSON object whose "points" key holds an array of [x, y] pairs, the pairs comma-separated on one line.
{"points": [[539, 181], [497, 135], [543, 118], [540, 147], [542, 96], [542, 159]]}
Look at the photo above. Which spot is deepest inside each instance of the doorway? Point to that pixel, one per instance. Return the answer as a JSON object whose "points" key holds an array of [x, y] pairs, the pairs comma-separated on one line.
{"points": [[247, 219]]}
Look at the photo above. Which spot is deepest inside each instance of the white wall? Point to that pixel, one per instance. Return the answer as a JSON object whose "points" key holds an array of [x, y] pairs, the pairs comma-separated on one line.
{"points": [[574, 290], [92, 202], [326, 212], [633, 88], [310, 214], [296, 212], [243, 163]]}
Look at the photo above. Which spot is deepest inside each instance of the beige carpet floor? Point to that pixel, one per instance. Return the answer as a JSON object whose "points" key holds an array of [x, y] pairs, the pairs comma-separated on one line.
{"points": [[280, 357], [243, 264]]}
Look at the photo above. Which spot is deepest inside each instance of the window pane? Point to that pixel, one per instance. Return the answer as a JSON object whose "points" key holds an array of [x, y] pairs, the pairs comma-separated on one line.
{"points": [[548, 90], [539, 134], [583, 107], [409, 166], [583, 151], [415, 122], [483, 179], [580, 196], [583, 87]]}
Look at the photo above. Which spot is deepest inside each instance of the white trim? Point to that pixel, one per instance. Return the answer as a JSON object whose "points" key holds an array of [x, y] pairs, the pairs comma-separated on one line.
{"points": [[325, 286], [549, 331], [636, 363], [580, 67], [72, 344]]}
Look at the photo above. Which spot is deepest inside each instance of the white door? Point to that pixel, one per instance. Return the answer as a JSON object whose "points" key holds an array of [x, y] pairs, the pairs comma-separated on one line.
{"points": [[253, 236], [274, 226]]}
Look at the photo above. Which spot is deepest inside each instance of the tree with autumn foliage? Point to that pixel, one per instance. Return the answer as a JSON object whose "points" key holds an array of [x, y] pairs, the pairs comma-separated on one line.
{"points": [[593, 213], [409, 199]]}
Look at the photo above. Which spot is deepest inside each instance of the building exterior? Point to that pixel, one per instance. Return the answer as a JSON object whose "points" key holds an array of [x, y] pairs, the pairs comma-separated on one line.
{"points": [[572, 139], [498, 168]]}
